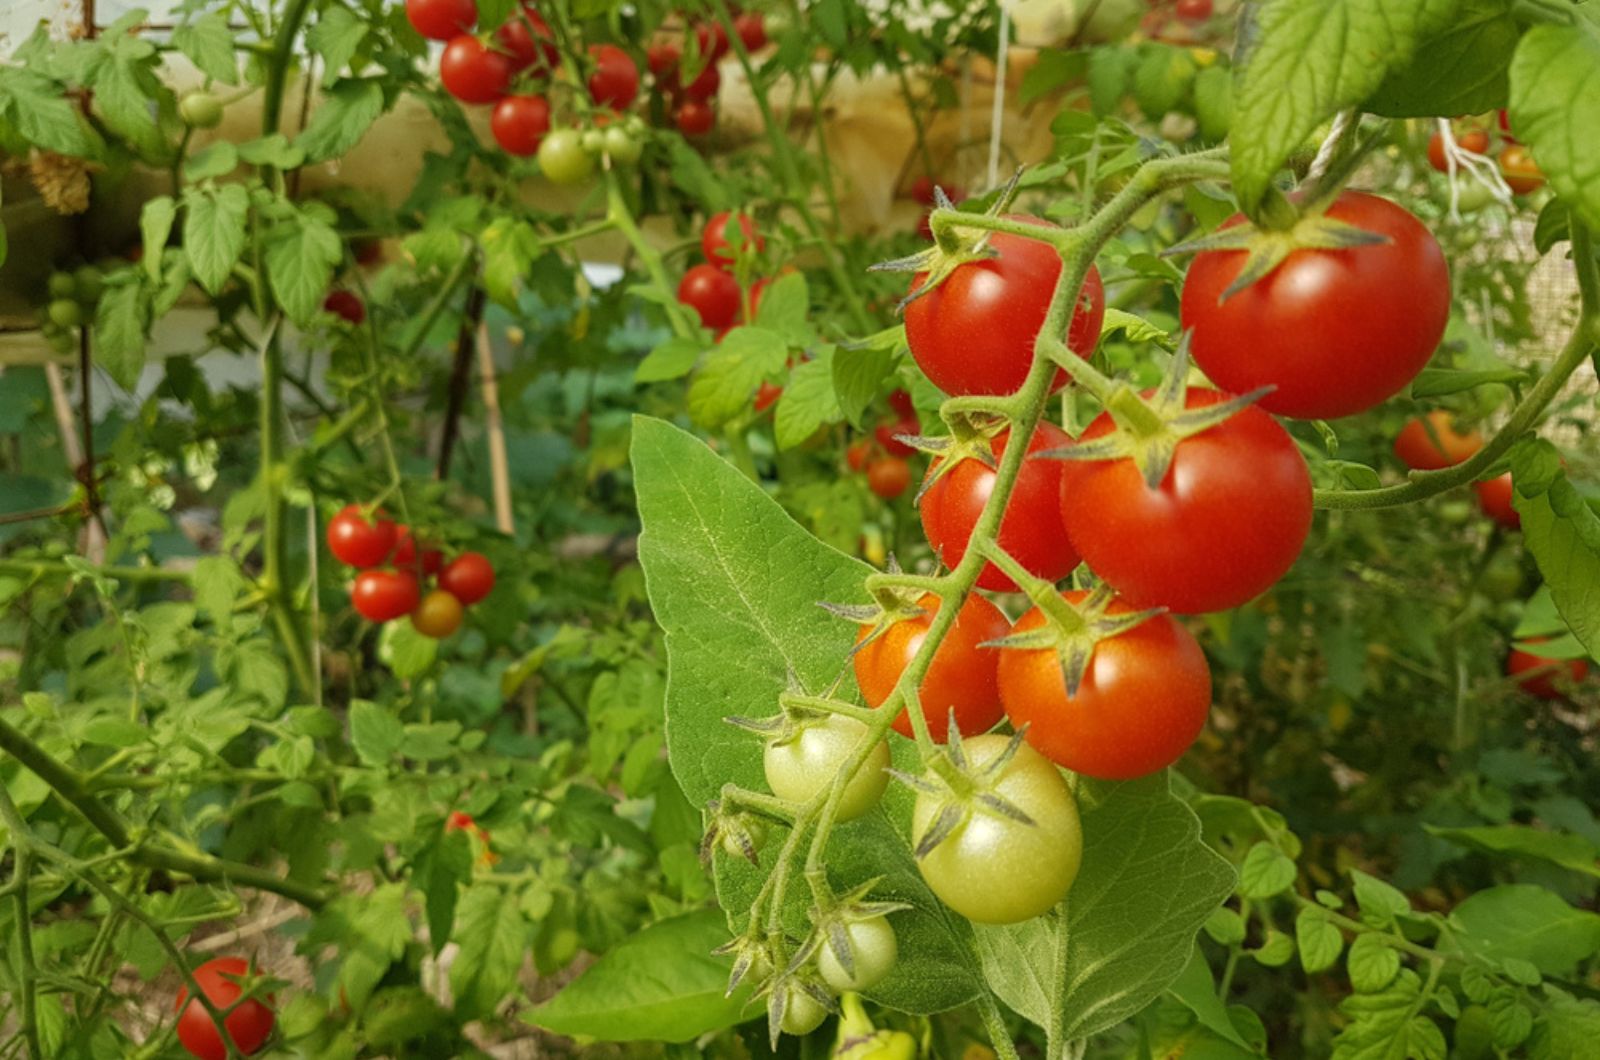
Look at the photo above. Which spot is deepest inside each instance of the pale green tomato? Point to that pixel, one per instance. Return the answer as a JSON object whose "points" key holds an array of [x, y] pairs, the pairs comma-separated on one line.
{"points": [[622, 146], [802, 1014], [872, 951], [798, 769], [995, 870], [563, 159], [201, 110]]}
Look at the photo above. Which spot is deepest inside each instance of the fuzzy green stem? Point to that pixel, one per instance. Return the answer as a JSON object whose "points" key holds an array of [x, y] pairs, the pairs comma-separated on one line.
{"points": [[619, 216]]}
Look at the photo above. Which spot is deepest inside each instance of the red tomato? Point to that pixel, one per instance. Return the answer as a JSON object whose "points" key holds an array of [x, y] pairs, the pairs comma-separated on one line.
{"points": [[527, 40], [767, 395], [615, 81], [885, 433], [249, 1025], [366, 251], [961, 676], [1335, 331], [1504, 121], [1543, 683], [663, 58], [752, 30], [437, 615], [1228, 520], [1474, 140], [974, 333], [1192, 10], [712, 293], [888, 476], [345, 305], [1521, 172], [469, 577], [695, 119], [473, 73], [519, 124], [441, 19], [922, 189], [1418, 449], [705, 84], [857, 455], [382, 595], [1031, 531], [460, 821], [1143, 699], [712, 40], [405, 553], [1494, 497], [901, 402], [719, 249], [356, 542]]}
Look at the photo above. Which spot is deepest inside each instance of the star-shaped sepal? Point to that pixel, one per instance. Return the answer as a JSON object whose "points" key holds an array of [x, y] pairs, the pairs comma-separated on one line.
{"points": [[953, 246], [963, 790], [1073, 630]]}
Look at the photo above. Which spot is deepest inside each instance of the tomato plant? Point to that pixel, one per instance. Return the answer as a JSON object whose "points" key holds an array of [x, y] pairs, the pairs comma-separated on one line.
{"points": [[357, 541], [473, 72], [1431, 442], [519, 124], [1542, 677], [712, 293], [469, 577], [248, 1024]]}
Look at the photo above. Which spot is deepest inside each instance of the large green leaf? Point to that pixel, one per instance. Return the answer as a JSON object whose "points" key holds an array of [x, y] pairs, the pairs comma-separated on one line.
{"points": [[1527, 922], [335, 37], [41, 111], [1555, 109], [343, 117], [1563, 534], [214, 231], [301, 253], [808, 401], [493, 936], [1302, 61], [1146, 886], [120, 319], [208, 42], [1459, 71], [1519, 840], [661, 984]]}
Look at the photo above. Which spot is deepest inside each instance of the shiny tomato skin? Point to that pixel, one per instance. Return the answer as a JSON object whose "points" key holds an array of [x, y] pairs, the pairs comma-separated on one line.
{"points": [[662, 58], [888, 476], [1543, 684], [249, 1025], [437, 615], [384, 595], [810, 762], [719, 249], [1143, 699], [1226, 523], [441, 19], [997, 870], [528, 45], [615, 81], [1335, 332], [713, 293], [1031, 531], [357, 542], [519, 124], [1522, 174], [974, 333], [1474, 140], [961, 677], [1494, 497], [469, 577], [694, 118], [473, 73], [1192, 11], [347, 306], [1444, 447]]}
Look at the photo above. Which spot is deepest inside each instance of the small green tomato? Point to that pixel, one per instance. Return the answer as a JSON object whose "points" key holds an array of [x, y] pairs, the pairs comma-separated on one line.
{"points": [[623, 147], [807, 763], [802, 1013], [201, 110], [872, 953], [563, 159], [65, 313]]}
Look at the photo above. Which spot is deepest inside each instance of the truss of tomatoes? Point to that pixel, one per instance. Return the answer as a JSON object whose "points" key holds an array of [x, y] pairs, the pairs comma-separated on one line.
{"points": [[394, 572], [1491, 138]]}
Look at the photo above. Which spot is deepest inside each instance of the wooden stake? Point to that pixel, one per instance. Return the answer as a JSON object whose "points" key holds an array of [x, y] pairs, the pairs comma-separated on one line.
{"points": [[499, 465]]}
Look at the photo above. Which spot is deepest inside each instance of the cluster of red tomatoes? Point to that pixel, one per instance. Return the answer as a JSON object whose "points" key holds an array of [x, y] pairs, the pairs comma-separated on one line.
{"points": [[689, 89], [1521, 172], [383, 593], [222, 980], [713, 291], [1431, 443], [882, 455]]}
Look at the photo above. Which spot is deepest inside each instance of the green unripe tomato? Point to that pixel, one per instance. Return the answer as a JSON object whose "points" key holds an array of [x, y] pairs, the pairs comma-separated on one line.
{"points": [[799, 768], [802, 1013], [201, 110], [1454, 513], [622, 146], [1162, 79], [594, 141], [1472, 195], [635, 125], [872, 953], [563, 159], [61, 285], [65, 313], [87, 284]]}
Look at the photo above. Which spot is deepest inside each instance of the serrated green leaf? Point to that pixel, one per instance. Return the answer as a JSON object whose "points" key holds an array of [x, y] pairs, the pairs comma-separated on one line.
{"points": [[155, 225], [1527, 923], [1567, 1027], [126, 89], [1563, 534], [1380, 902], [274, 150], [1555, 106], [725, 383], [302, 251], [214, 160], [1372, 963], [1461, 70], [1197, 990], [214, 232], [1225, 926], [492, 936], [808, 402], [208, 42], [673, 359], [509, 251], [1559, 848], [1437, 382], [41, 111], [336, 37], [374, 733], [341, 119], [784, 307], [120, 319], [858, 377], [1275, 950]]}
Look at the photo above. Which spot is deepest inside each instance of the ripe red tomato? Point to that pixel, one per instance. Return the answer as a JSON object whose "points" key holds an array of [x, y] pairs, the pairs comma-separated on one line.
{"points": [[1418, 449], [712, 40], [345, 305], [888, 476], [1143, 699], [615, 81], [1474, 140], [437, 615], [1494, 497], [473, 73], [1228, 520], [885, 433], [460, 821], [662, 58], [961, 676], [1335, 331], [767, 395], [383, 595], [1192, 10], [1521, 172], [1031, 531], [694, 118], [527, 40], [405, 553], [922, 188], [441, 19], [356, 542], [519, 124], [1544, 683], [712, 293], [857, 454], [249, 1025], [469, 577], [974, 333], [705, 84], [901, 403], [1504, 121], [719, 249], [752, 30]]}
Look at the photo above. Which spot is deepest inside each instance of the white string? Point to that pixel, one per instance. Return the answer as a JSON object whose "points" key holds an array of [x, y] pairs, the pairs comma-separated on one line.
{"points": [[1319, 165], [997, 115]]}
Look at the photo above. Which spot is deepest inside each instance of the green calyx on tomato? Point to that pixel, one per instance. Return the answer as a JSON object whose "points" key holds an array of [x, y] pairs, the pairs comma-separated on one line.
{"points": [[796, 1005], [953, 244], [738, 833], [854, 943], [1071, 628], [752, 957]]}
